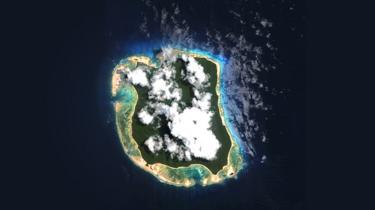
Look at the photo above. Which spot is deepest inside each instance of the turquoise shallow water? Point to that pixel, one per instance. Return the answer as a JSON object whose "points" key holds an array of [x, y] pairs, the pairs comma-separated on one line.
{"points": [[125, 95]]}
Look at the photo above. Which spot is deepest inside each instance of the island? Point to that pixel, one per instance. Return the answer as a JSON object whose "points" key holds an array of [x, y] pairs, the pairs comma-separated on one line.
{"points": [[170, 117]]}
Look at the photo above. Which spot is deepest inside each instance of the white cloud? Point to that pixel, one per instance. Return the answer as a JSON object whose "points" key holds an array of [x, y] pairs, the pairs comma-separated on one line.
{"points": [[195, 73], [138, 77], [145, 117], [163, 87], [187, 155], [266, 23], [175, 150], [168, 54], [171, 146], [264, 158], [203, 102], [193, 127], [184, 57], [154, 143], [169, 111]]}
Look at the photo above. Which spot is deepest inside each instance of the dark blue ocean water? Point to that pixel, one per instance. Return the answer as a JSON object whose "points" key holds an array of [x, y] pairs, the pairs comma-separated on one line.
{"points": [[87, 167]]}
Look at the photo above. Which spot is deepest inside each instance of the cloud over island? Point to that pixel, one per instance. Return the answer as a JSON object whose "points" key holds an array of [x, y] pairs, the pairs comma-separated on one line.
{"points": [[191, 125]]}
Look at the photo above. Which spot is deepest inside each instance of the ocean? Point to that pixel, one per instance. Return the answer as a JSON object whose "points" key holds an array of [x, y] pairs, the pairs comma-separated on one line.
{"points": [[87, 168]]}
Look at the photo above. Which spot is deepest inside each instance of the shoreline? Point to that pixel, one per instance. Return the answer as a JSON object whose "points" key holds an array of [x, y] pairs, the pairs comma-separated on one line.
{"points": [[164, 172]]}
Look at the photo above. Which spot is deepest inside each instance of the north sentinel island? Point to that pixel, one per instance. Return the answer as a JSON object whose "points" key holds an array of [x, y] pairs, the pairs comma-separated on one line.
{"points": [[170, 118]]}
